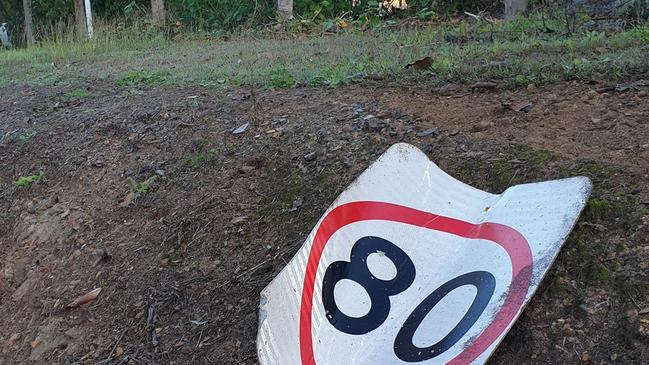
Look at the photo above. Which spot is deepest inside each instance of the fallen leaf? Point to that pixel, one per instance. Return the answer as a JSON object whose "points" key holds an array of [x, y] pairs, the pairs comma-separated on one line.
{"points": [[237, 220], [84, 299], [240, 129], [130, 197], [644, 311], [421, 65], [119, 351], [524, 106]]}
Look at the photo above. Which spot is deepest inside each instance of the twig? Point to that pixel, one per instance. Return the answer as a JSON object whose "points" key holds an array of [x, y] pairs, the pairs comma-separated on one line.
{"points": [[114, 347]]}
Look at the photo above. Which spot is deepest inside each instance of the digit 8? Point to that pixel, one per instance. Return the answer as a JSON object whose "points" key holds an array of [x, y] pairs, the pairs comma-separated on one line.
{"points": [[378, 290]]}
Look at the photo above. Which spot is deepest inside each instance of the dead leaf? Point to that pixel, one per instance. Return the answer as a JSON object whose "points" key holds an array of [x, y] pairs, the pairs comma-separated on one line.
{"points": [[84, 299], [130, 197], [524, 106], [237, 220], [644, 311], [421, 65], [240, 129]]}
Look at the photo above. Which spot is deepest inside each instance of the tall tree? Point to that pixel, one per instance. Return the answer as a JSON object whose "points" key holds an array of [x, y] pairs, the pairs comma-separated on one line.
{"points": [[158, 11], [29, 30], [80, 19]]}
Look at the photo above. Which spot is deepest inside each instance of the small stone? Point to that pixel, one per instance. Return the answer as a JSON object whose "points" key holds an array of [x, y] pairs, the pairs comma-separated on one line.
{"points": [[531, 87], [119, 351], [584, 307], [311, 156], [448, 89], [14, 339], [482, 126], [642, 93], [427, 132], [206, 265], [373, 124], [164, 262], [160, 173]]}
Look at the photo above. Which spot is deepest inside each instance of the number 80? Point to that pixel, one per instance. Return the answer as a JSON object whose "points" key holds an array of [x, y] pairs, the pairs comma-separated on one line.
{"points": [[380, 292]]}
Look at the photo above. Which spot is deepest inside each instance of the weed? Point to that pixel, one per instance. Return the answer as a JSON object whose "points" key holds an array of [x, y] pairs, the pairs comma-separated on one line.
{"points": [[76, 94], [600, 274], [141, 77], [24, 137], [197, 159], [281, 77], [598, 209], [143, 188], [557, 288], [25, 181], [500, 175], [133, 92], [532, 157]]}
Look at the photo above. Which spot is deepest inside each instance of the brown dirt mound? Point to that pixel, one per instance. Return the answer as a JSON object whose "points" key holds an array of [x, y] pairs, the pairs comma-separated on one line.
{"points": [[182, 223]]}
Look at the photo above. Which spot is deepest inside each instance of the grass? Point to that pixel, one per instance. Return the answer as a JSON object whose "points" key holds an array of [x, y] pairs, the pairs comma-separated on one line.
{"points": [[76, 94], [517, 53], [143, 188], [25, 181], [23, 138]]}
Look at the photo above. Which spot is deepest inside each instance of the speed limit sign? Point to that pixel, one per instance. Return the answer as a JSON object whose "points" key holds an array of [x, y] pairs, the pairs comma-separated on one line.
{"points": [[409, 265]]}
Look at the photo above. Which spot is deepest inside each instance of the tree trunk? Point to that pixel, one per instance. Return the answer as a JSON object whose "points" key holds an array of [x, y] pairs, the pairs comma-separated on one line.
{"points": [[158, 12], [514, 8], [88, 9], [285, 8], [29, 30], [79, 19]]}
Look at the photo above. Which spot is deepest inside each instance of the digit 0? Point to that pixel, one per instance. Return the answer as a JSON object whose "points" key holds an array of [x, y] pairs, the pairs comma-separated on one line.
{"points": [[378, 290], [403, 344]]}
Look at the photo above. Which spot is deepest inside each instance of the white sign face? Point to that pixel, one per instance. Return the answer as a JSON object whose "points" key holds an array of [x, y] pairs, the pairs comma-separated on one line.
{"points": [[409, 265]]}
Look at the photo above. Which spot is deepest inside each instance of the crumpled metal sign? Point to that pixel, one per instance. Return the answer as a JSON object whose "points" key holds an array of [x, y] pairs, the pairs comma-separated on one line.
{"points": [[409, 265]]}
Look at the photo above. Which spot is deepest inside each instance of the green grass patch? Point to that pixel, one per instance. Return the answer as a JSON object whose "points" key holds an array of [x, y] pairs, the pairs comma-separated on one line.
{"points": [[196, 160], [516, 53], [25, 181], [24, 137], [141, 77], [76, 94], [143, 188], [281, 78]]}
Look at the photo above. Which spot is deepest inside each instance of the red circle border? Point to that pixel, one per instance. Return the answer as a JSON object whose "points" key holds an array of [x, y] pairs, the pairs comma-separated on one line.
{"points": [[506, 237]]}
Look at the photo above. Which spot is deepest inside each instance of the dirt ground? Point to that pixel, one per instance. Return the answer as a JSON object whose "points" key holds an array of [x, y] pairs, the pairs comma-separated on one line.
{"points": [[149, 195]]}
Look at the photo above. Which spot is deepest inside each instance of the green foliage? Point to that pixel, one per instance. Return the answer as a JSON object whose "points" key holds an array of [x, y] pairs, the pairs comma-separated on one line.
{"points": [[198, 159], [465, 52], [281, 77], [141, 77], [25, 181], [143, 188], [24, 137], [76, 94]]}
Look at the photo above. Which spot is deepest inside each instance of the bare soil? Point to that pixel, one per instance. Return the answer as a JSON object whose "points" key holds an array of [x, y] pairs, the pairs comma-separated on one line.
{"points": [[149, 195]]}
